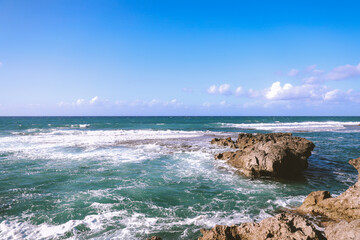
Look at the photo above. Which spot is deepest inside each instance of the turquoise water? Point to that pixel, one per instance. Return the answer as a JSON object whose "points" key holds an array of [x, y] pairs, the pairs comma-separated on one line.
{"points": [[133, 177]]}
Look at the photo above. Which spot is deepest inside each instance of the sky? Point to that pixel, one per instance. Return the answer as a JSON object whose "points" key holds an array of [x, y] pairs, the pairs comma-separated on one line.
{"points": [[155, 58]]}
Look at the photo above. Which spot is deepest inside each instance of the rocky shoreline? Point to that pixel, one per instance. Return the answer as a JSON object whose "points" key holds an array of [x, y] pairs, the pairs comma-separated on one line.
{"points": [[281, 155], [341, 214], [258, 154]]}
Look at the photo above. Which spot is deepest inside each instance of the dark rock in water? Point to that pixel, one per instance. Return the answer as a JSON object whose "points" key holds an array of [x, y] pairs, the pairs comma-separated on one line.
{"points": [[273, 154], [154, 238], [282, 226], [344, 207], [226, 142]]}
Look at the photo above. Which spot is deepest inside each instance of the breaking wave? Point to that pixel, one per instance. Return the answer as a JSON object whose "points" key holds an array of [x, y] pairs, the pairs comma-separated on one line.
{"points": [[310, 126]]}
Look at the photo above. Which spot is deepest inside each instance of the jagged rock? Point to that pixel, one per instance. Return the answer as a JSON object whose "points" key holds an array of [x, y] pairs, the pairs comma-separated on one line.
{"points": [[344, 230], [315, 198], [248, 140], [344, 207], [282, 226], [273, 154], [226, 142]]}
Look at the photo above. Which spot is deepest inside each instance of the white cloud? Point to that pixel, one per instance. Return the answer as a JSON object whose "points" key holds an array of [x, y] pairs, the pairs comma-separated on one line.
{"points": [[223, 89], [332, 95], [293, 72], [79, 102], [1, 64], [309, 93], [288, 91], [94, 100], [239, 91], [154, 102], [339, 73], [344, 72], [338, 96], [212, 89]]}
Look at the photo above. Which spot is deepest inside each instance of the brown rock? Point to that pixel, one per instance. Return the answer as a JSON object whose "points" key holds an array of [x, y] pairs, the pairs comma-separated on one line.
{"points": [[224, 155], [282, 226], [226, 142], [344, 207], [273, 154], [315, 198], [247, 139], [344, 230], [154, 238]]}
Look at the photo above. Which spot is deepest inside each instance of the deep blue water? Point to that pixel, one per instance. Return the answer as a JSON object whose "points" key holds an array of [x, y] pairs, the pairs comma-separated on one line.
{"points": [[133, 177]]}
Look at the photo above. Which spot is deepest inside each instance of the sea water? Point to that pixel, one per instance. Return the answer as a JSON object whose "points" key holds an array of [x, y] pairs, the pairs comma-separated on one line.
{"points": [[134, 177]]}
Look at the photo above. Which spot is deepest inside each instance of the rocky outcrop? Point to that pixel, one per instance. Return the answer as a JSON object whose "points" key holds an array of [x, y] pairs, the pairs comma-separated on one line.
{"points": [[343, 211], [282, 226], [273, 154], [344, 207], [343, 230]]}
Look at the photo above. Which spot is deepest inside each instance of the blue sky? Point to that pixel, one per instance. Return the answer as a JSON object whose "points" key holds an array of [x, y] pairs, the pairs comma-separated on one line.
{"points": [[179, 57]]}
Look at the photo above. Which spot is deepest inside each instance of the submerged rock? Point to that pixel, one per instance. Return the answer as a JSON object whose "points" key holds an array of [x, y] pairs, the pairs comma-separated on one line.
{"points": [[273, 154], [282, 226], [344, 207]]}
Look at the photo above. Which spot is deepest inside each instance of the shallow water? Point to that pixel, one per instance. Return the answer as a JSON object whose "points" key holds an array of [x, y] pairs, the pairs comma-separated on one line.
{"points": [[133, 177]]}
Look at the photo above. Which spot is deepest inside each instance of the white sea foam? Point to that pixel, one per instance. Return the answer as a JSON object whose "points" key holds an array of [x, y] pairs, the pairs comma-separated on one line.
{"points": [[104, 144], [191, 162], [16, 229], [80, 125], [133, 224], [290, 201], [310, 126]]}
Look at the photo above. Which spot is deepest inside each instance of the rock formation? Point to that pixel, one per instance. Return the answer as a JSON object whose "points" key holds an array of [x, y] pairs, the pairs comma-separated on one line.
{"points": [[282, 226], [343, 230], [344, 210], [344, 207], [273, 154]]}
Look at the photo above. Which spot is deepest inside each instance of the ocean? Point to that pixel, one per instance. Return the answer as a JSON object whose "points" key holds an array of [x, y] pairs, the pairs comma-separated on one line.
{"points": [[134, 177]]}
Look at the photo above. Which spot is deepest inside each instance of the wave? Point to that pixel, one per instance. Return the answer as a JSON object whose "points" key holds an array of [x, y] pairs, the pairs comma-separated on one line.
{"points": [[80, 125], [117, 145], [310, 126]]}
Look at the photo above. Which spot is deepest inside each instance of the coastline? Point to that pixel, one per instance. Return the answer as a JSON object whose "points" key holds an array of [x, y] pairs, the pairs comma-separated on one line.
{"points": [[133, 178], [338, 217]]}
